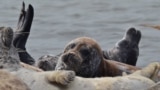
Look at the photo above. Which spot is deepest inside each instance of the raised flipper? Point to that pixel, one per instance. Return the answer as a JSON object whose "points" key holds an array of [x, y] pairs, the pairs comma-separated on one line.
{"points": [[22, 33], [127, 49]]}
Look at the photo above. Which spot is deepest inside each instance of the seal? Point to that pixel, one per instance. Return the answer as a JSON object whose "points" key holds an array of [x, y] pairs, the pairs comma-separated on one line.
{"points": [[66, 80], [22, 33], [14, 76], [126, 50], [84, 56]]}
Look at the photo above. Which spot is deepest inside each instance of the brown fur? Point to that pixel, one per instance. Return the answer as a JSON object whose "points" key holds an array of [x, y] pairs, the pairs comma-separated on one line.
{"points": [[114, 68]]}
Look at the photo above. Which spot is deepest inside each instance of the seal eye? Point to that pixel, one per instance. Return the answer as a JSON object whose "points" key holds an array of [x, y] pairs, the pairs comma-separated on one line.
{"points": [[71, 46], [84, 51]]}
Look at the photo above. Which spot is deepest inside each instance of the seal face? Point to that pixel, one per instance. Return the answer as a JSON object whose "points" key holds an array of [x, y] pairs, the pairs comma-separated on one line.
{"points": [[82, 55], [126, 50]]}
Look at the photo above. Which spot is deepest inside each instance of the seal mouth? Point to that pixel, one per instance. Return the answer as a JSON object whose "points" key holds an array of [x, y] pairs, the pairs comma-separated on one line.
{"points": [[69, 61]]}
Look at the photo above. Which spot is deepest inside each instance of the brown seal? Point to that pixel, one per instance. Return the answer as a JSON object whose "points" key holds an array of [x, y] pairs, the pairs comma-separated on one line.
{"points": [[84, 56]]}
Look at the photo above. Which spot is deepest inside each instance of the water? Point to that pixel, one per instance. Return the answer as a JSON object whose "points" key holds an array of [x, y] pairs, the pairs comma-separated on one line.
{"points": [[56, 22]]}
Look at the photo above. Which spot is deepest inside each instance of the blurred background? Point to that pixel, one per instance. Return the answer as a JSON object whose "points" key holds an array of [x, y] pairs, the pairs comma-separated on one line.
{"points": [[56, 22]]}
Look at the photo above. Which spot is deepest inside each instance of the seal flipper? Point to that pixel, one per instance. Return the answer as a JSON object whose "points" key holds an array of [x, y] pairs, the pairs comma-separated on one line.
{"points": [[22, 33], [127, 49]]}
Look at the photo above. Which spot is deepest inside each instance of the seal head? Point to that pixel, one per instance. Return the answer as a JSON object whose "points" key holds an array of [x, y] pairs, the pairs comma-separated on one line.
{"points": [[82, 55], [126, 50]]}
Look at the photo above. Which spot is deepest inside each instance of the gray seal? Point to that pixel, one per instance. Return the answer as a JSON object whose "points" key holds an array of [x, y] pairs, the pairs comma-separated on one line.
{"points": [[127, 49]]}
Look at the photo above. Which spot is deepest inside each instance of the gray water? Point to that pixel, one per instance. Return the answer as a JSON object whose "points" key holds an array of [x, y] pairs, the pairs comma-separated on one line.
{"points": [[56, 22]]}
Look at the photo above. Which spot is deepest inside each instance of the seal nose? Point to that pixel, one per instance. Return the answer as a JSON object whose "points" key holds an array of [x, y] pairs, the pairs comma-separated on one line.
{"points": [[68, 56]]}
